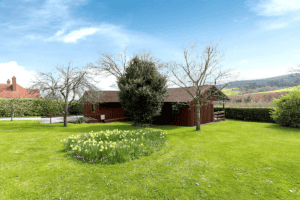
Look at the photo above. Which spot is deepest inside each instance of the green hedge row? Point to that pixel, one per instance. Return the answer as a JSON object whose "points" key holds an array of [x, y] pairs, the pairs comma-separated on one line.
{"points": [[36, 108]]}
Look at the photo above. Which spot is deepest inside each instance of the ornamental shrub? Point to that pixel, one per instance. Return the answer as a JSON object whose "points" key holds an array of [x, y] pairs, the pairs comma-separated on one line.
{"points": [[287, 110]]}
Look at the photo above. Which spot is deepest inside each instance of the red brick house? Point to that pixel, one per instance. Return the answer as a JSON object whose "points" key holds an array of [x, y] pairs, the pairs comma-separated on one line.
{"points": [[16, 91], [110, 109]]}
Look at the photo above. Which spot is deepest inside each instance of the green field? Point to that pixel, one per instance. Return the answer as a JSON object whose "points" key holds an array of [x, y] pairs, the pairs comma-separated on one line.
{"points": [[230, 92], [226, 160]]}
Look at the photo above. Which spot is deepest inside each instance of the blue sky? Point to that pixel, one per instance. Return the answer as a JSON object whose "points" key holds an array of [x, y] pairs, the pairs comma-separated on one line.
{"points": [[260, 39]]}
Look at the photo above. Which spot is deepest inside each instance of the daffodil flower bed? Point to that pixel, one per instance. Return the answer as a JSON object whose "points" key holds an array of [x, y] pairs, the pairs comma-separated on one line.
{"points": [[114, 146]]}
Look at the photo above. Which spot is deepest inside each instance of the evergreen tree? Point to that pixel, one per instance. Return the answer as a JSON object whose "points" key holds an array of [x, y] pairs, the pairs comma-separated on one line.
{"points": [[142, 90]]}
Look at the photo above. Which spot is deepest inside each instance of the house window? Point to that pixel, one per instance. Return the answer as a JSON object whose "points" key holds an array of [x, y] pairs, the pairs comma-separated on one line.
{"points": [[175, 110]]}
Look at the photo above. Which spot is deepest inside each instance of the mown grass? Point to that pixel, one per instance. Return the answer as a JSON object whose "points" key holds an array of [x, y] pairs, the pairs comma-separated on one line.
{"points": [[227, 160]]}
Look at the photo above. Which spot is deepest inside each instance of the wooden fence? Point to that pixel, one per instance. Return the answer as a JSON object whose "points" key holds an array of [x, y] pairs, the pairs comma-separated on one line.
{"points": [[218, 117]]}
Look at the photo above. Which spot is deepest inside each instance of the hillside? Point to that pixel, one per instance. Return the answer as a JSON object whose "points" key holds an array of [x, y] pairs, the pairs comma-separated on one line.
{"points": [[279, 82], [273, 84]]}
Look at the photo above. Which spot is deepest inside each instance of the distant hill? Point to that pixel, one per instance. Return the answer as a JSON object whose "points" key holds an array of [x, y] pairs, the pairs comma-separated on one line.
{"points": [[279, 82]]}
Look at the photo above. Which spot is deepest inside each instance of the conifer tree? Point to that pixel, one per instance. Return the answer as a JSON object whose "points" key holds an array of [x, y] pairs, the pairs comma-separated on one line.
{"points": [[142, 89]]}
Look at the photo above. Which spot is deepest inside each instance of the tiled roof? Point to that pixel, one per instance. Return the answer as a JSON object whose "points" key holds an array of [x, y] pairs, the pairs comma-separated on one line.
{"points": [[7, 91], [175, 94]]}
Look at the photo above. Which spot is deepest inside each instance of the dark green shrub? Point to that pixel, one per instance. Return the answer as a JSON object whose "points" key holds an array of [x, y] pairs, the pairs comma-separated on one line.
{"points": [[142, 85], [76, 109], [287, 110]]}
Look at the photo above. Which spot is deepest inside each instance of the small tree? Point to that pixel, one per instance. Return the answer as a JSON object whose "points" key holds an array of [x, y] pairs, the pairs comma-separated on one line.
{"points": [[197, 76], [74, 82], [142, 91]]}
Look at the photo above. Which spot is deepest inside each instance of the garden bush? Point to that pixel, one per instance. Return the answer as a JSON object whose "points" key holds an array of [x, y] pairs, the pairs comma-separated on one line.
{"points": [[76, 109], [287, 110]]}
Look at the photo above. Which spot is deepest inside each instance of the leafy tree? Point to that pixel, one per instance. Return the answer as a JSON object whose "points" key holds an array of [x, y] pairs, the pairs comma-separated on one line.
{"points": [[142, 90]]}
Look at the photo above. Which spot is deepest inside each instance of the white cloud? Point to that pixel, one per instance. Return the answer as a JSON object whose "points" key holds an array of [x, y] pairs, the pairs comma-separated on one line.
{"points": [[59, 33], [8, 70], [110, 31], [72, 36], [55, 9], [244, 61], [277, 7], [287, 13], [274, 25], [257, 72], [24, 78], [79, 34], [47, 14]]}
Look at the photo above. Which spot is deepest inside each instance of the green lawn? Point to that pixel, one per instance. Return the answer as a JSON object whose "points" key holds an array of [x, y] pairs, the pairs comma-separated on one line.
{"points": [[227, 160]]}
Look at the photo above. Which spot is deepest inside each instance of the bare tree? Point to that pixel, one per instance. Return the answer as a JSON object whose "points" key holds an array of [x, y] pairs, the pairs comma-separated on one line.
{"points": [[74, 82], [108, 65], [199, 79], [295, 70]]}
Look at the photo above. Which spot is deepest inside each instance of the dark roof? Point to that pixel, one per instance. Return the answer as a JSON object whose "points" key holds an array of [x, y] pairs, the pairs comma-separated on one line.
{"points": [[175, 94]]}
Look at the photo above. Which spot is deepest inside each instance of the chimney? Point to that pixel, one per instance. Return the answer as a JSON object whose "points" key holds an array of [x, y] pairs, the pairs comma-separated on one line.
{"points": [[14, 83], [8, 82]]}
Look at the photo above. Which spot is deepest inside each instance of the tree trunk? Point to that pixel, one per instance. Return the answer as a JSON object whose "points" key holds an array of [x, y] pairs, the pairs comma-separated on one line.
{"points": [[65, 116], [198, 115], [12, 115]]}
